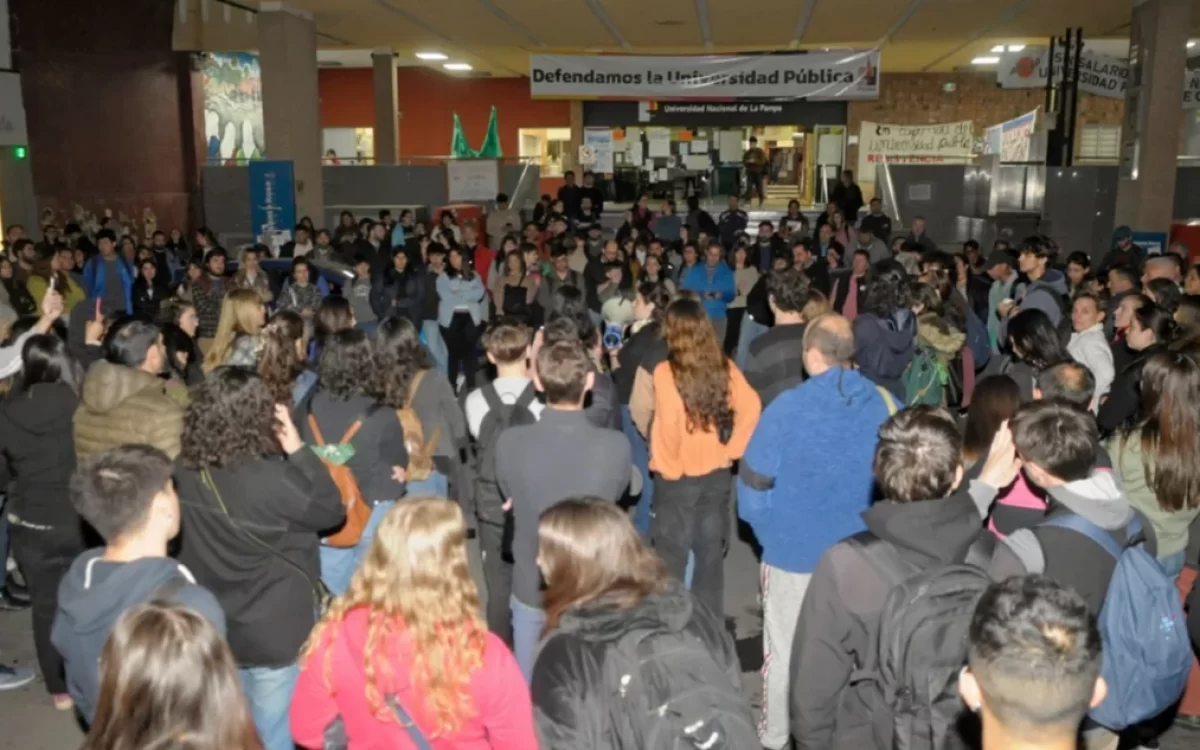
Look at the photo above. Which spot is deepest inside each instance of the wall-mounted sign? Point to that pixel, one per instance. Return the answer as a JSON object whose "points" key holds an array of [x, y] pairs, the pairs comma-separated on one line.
{"points": [[849, 74], [272, 201], [1101, 75], [882, 143]]}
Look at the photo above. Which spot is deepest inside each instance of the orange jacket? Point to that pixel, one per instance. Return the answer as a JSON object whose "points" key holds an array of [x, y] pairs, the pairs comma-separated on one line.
{"points": [[676, 452]]}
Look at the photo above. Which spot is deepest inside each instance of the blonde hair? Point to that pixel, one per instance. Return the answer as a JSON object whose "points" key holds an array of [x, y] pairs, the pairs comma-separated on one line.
{"points": [[241, 315], [415, 581]]}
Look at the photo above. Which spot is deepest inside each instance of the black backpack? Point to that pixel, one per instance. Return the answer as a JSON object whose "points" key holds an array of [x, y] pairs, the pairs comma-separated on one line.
{"points": [[675, 695], [909, 680], [500, 416]]}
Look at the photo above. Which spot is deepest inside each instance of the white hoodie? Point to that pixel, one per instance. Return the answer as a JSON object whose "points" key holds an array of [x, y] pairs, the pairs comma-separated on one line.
{"points": [[1090, 348]]}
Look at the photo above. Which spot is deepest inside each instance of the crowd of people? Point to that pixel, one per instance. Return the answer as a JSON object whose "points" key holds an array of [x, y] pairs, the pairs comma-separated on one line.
{"points": [[240, 506]]}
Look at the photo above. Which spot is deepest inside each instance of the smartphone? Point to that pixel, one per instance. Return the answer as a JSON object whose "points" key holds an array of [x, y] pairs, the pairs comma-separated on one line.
{"points": [[613, 336]]}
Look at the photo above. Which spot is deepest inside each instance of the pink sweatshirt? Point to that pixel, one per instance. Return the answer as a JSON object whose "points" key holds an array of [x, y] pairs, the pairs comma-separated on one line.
{"points": [[502, 717]]}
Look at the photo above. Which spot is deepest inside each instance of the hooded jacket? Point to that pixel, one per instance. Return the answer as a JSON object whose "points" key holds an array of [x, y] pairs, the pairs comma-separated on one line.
{"points": [[1046, 294], [94, 593], [938, 335], [576, 703], [883, 348], [122, 405], [841, 614], [37, 451], [1067, 556]]}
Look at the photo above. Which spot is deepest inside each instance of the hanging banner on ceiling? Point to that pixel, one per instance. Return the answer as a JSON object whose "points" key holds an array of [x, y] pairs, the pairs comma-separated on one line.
{"points": [[849, 74], [881, 143], [1100, 75], [600, 142]]}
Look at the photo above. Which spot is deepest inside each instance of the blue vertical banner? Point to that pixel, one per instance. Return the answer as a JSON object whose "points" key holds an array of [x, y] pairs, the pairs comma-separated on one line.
{"points": [[272, 201]]}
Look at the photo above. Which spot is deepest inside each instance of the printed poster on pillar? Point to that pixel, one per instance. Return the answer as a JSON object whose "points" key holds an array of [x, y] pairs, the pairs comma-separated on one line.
{"points": [[847, 74], [272, 201], [1099, 74]]}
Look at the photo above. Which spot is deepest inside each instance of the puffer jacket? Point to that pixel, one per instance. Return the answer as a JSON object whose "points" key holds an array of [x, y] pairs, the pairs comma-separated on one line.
{"points": [[575, 706], [122, 405]]}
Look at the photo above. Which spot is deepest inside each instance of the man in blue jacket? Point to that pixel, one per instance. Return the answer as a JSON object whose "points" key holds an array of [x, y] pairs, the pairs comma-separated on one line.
{"points": [[798, 509], [108, 277], [714, 282]]}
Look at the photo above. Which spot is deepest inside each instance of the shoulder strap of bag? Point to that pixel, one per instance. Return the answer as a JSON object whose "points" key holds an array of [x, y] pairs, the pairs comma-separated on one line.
{"points": [[492, 397], [887, 399], [320, 590], [527, 397], [316, 431], [1081, 525], [412, 388], [414, 732]]}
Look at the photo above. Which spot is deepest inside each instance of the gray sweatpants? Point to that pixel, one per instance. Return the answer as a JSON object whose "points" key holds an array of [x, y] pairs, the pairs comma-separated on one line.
{"points": [[783, 593]]}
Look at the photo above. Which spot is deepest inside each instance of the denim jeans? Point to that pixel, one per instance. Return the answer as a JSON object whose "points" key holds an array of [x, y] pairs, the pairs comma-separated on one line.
{"points": [[527, 625], [339, 563], [436, 346], [269, 693], [751, 329], [641, 462], [435, 485]]}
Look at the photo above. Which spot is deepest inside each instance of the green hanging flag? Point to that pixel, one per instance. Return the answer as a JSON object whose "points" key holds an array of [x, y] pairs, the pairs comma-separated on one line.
{"points": [[491, 142], [459, 148]]}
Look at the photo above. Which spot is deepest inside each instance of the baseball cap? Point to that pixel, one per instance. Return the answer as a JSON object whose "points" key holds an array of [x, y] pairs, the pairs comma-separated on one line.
{"points": [[997, 258]]}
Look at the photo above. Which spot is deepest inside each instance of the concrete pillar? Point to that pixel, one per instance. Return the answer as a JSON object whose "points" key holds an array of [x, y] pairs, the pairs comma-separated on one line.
{"points": [[571, 158], [387, 118], [1153, 114], [287, 48]]}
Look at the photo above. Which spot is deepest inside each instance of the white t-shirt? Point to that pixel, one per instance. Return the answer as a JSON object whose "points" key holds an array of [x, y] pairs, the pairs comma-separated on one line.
{"points": [[509, 390]]}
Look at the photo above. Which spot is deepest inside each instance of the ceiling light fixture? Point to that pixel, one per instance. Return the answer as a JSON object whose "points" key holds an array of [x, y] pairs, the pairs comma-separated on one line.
{"points": [[457, 66], [1191, 44], [985, 60], [1016, 47], [998, 48], [431, 56]]}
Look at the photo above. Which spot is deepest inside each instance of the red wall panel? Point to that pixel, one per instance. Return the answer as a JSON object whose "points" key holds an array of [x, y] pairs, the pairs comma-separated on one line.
{"points": [[428, 100]]}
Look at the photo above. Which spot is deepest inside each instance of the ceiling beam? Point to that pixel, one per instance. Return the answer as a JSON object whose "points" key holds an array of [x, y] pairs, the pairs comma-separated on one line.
{"points": [[1010, 13], [415, 21], [605, 20], [806, 14], [705, 26], [511, 22], [899, 23]]}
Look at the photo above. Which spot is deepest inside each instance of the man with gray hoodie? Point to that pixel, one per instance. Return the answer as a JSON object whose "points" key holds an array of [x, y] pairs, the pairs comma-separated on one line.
{"points": [[1056, 442], [1044, 288], [127, 495]]}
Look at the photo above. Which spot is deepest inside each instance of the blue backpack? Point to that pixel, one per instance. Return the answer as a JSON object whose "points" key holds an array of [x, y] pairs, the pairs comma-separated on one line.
{"points": [[1147, 655]]}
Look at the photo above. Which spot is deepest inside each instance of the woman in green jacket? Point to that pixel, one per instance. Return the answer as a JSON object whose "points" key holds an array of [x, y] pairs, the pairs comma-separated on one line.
{"points": [[1159, 457]]}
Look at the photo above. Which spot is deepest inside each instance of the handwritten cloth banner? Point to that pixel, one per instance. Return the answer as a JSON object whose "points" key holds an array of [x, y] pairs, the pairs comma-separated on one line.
{"points": [[878, 143]]}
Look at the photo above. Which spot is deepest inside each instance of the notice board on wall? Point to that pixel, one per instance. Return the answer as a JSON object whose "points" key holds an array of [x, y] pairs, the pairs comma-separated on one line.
{"points": [[472, 180]]}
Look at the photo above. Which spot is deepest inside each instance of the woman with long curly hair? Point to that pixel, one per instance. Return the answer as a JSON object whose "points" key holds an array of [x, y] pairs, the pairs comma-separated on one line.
{"points": [[282, 359], [168, 680], [405, 653], [345, 410], [434, 425], [704, 414], [236, 341], [885, 331], [253, 499]]}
